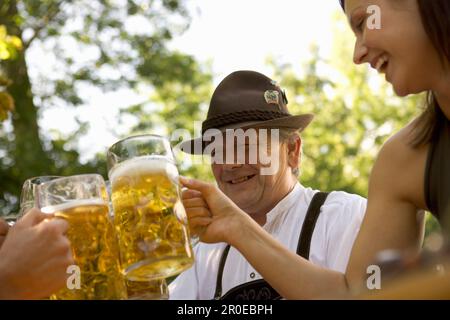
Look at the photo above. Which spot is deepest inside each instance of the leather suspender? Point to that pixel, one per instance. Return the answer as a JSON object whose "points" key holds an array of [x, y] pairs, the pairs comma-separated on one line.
{"points": [[218, 292], [304, 242]]}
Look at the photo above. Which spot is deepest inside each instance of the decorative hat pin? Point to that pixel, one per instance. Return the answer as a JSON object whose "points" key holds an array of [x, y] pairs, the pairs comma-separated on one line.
{"points": [[272, 97]]}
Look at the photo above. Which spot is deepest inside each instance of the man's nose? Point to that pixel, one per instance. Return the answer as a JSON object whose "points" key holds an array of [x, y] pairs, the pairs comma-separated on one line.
{"points": [[231, 166]]}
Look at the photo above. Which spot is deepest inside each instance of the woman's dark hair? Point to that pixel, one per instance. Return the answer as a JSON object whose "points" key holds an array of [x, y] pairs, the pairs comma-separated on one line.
{"points": [[436, 21], [435, 16]]}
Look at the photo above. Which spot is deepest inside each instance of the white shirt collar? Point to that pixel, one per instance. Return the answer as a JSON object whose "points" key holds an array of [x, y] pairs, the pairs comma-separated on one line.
{"points": [[286, 203]]}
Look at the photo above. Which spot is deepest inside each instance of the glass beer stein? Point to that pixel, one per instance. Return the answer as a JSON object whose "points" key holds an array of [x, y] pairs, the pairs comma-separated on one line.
{"points": [[149, 217], [142, 290], [83, 202], [27, 197]]}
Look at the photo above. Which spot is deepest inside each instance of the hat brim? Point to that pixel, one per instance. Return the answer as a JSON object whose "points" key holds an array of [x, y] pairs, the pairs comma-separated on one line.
{"points": [[298, 123]]}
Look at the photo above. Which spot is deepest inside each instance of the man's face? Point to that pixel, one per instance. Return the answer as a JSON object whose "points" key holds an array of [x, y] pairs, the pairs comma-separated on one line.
{"points": [[247, 185]]}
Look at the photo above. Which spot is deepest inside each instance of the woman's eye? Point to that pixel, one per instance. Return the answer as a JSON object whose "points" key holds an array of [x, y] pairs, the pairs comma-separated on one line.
{"points": [[360, 25]]}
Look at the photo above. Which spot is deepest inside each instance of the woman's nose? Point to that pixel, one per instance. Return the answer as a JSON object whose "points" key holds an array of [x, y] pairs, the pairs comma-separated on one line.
{"points": [[360, 52]]}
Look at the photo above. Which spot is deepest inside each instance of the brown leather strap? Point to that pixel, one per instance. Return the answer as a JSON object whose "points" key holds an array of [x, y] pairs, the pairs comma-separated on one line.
{"points": [[223, 259], [304, 241], [303, 247]]}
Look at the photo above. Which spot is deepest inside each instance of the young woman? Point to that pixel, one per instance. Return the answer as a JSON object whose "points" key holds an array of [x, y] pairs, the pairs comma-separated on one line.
{"points": [[411, 174]]}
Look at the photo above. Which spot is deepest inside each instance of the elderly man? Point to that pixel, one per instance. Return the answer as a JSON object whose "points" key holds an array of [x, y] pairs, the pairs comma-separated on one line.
{"points": [[318, 226]]}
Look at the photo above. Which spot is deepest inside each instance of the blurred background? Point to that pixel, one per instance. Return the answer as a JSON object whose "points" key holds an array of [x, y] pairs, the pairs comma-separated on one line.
{"points": [[76, 76]]}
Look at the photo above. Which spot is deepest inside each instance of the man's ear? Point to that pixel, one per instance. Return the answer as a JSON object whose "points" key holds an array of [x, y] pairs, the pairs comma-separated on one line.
{"points": [[294, 155]]}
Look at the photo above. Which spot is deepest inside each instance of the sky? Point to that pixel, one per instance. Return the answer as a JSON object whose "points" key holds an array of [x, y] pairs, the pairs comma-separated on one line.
{"points": [[231, 34], [241, 34]]}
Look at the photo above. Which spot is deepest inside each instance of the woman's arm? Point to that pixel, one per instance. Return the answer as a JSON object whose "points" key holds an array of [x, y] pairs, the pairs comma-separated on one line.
{"points": [[390, 223], [420, 284], [220, 220]]}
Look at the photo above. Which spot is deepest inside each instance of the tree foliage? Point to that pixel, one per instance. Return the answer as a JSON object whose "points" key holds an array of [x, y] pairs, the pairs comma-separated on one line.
{"points": [[9, 46], [101, 43]]}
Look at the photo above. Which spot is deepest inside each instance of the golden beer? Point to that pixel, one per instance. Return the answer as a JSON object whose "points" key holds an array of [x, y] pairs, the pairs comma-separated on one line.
{"points": [[94, 248], [150, 219], [147, 290]]}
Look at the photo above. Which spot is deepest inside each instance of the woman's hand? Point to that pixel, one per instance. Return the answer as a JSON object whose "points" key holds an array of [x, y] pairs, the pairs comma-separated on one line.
{"points": [[212, 215]]}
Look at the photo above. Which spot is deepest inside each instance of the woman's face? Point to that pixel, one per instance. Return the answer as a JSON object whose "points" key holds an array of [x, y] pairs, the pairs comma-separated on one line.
{"points": [[399, 48]]}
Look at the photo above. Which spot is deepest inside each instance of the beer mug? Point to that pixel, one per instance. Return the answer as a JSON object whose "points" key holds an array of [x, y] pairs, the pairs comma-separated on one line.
{"points": [[149, 217], [142, 290], [83, 202], [147, 290], [27, 197]]}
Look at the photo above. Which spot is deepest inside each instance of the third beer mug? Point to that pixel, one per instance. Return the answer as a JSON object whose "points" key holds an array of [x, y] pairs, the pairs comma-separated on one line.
{"points": [[149, 216]]}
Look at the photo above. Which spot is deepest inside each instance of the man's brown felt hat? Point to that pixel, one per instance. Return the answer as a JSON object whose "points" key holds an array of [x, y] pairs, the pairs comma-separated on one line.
{"points": [[246, 99]]}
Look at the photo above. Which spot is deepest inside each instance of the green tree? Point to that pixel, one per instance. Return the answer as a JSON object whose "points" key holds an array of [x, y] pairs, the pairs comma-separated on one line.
{"points": [[9, 46], [177, 105], [90, 43]]}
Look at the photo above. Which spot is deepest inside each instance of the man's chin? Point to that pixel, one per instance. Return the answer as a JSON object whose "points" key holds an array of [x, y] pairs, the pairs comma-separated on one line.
{"points": [[244, 204], [243, 200], [238, 190]]}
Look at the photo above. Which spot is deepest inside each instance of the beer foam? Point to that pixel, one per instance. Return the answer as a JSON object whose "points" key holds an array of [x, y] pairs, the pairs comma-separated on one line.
{"points": [[73, 204], [144, 165]]}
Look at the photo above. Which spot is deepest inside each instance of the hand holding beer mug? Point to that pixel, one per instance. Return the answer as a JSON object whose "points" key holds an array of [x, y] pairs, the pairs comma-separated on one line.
{"points": [[83, 202], [148, 214]]}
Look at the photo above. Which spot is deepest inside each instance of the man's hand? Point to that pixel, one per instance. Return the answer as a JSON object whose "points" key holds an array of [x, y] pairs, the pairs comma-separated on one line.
{"points": [[34, 257], [212, 215], [4, 227]]}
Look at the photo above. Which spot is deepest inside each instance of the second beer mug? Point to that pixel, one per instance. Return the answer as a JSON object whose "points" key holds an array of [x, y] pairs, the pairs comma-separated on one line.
{"points": [[149, 217], [83, 202]]}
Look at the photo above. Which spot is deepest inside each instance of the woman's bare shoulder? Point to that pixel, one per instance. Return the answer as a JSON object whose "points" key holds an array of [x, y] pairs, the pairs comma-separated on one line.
{"points": [[400, 167], [400, 145]]}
